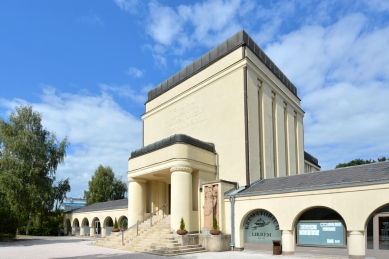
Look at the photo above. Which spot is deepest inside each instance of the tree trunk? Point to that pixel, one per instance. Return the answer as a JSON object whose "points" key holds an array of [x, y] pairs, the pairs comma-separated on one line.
{"points": [[29, 223]]}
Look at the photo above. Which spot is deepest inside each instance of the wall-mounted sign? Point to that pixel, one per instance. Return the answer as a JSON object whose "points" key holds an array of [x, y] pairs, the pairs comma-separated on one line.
{"points": [[261, 227], [324, 233]]}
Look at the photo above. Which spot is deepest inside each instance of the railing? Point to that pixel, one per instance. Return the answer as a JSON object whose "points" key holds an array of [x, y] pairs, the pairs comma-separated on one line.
{"points": [[150, 216]]}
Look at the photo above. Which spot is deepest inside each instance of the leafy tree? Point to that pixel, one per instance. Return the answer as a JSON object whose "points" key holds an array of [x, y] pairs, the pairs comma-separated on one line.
{"points": [[359, 161], [29, 157], [60, 191], [104, 186], [8, 219]]}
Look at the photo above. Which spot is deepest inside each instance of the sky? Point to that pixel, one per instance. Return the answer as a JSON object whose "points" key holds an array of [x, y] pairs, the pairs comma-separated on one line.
{"points": [[87, 67]]}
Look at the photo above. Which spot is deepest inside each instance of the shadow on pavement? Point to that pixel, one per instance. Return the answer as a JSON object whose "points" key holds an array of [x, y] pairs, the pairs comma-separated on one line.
{"points": [[42, 241], [116, 256]]}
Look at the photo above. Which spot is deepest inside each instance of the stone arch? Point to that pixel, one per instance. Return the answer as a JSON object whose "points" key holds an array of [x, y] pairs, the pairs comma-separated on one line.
{"points": [[320, 225], [95, 229], [85, 227], [85, 222], [123, 217], [75, 227], [298, 215], [108, 222], [383, 208], [369, 230], [259, 227], [67, 227], [106, 227]]}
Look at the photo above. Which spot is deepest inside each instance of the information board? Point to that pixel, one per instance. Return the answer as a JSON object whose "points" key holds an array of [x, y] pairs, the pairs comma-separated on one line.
{"points": [[324, 233]]}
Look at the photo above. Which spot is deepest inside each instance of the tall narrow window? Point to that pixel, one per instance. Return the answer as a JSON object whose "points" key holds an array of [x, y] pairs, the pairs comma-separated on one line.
{"points": [[296, 142], [274, 126], [286, 134], [260, 139]]}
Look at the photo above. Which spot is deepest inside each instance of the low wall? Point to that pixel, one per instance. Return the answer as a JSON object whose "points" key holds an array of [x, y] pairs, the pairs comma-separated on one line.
{"points": [[215, 243]]}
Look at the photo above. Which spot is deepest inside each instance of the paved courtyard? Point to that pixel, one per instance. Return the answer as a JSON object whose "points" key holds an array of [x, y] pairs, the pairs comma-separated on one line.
{"points": [[76, 247]]}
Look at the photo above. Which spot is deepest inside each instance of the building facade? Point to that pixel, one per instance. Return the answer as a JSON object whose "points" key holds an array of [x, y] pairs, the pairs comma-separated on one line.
{"points": [[223, 138]]}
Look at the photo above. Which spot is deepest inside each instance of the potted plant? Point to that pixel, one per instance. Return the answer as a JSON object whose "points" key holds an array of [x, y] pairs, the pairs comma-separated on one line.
{"points": [[124, 225], [215, 230], [182, 230], [115, 226]]}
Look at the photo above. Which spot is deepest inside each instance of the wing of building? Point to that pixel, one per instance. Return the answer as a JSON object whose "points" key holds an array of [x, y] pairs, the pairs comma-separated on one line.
{"points": [[223, 138]]}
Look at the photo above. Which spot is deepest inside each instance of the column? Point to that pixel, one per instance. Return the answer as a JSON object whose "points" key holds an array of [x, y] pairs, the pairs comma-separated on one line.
{"points": [[136, 199], [103, 231], [92, 229], [287, 242], [73, 230], [356, 244], [181, 196], [82, 230]]}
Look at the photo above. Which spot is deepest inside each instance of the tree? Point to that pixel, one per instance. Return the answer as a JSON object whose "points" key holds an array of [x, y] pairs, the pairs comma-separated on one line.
{"points": [[104, 186], [359, 161], [29, 157]]}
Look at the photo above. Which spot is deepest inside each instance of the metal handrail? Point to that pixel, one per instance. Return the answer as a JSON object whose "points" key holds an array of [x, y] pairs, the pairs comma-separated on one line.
{"points": [[150, 216]]}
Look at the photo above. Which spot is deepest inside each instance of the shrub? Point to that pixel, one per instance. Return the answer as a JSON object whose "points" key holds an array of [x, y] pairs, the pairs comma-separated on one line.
{"points": [[115, 225], [124, 226], [182, 224], [215, 226]]}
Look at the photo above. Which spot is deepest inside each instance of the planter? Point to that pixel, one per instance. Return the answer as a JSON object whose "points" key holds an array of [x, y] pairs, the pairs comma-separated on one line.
{"points": [[182, 232], [115, 230], [215, 232]]}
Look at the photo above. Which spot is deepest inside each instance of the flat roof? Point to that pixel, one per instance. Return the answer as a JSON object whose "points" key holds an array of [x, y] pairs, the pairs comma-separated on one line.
{"points": [[367, 174], [239, 39], [174, 139]]}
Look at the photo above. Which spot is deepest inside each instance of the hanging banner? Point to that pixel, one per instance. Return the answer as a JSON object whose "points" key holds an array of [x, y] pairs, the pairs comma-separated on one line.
{"points": [[261, 227]]}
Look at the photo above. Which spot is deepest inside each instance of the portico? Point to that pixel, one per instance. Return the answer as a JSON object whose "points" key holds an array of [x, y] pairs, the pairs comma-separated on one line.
{"points": [[170, 172]]}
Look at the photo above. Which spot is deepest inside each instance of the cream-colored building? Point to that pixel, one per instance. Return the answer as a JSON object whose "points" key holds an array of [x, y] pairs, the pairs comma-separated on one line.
{"points": [[224, 138]]}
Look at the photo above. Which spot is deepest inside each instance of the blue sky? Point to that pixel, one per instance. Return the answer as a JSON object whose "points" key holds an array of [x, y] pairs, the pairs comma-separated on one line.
{"points": [[87, 66]]}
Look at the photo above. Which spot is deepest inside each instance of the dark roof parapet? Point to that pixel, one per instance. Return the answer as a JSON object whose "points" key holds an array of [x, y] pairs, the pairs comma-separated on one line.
{"points": [[237, 40], [311, 159], [177, 138]]}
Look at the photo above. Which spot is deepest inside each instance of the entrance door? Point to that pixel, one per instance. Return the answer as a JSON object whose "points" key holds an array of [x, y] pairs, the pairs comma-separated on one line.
{"points": [[381, 235], [97, 228]]}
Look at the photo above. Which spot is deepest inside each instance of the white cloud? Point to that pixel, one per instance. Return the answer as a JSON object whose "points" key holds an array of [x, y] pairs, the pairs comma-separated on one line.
{"points": [[98, 129], [133, 71], [206, 24], [340, 71], [164, 23], [127, 5], [124, 91]]}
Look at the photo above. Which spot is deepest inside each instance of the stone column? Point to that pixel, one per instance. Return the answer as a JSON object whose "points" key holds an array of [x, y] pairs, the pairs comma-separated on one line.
{"points": [[103, 231], [92, 230], [181, 196], [356, 244], [73, 230], [82, 230], [136, 199], [287, 242]]}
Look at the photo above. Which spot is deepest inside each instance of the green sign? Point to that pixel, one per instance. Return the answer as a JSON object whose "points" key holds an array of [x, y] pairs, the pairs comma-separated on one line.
{"points": [[261, 227]]}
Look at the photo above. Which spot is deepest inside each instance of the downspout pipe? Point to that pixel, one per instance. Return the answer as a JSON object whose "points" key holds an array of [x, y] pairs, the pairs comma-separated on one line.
{"points": [[217, 165], [232, 201]]}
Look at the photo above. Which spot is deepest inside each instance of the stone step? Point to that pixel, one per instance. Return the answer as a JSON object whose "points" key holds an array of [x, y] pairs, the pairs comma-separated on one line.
{"points": [[156, 239]]}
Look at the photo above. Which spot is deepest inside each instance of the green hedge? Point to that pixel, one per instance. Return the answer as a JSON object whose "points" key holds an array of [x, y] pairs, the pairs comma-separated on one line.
{"points": [[37, 231]]}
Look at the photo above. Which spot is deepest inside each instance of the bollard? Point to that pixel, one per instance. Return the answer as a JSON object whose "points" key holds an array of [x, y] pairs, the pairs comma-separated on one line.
{"points": [[137, 228]]}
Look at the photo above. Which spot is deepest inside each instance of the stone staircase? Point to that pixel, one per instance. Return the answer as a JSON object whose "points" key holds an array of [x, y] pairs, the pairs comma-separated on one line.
{"points": [[158, 239]]}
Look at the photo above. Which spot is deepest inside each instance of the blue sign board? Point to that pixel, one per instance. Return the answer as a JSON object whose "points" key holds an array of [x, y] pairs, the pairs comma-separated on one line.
{"points": [[323, 233]]}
